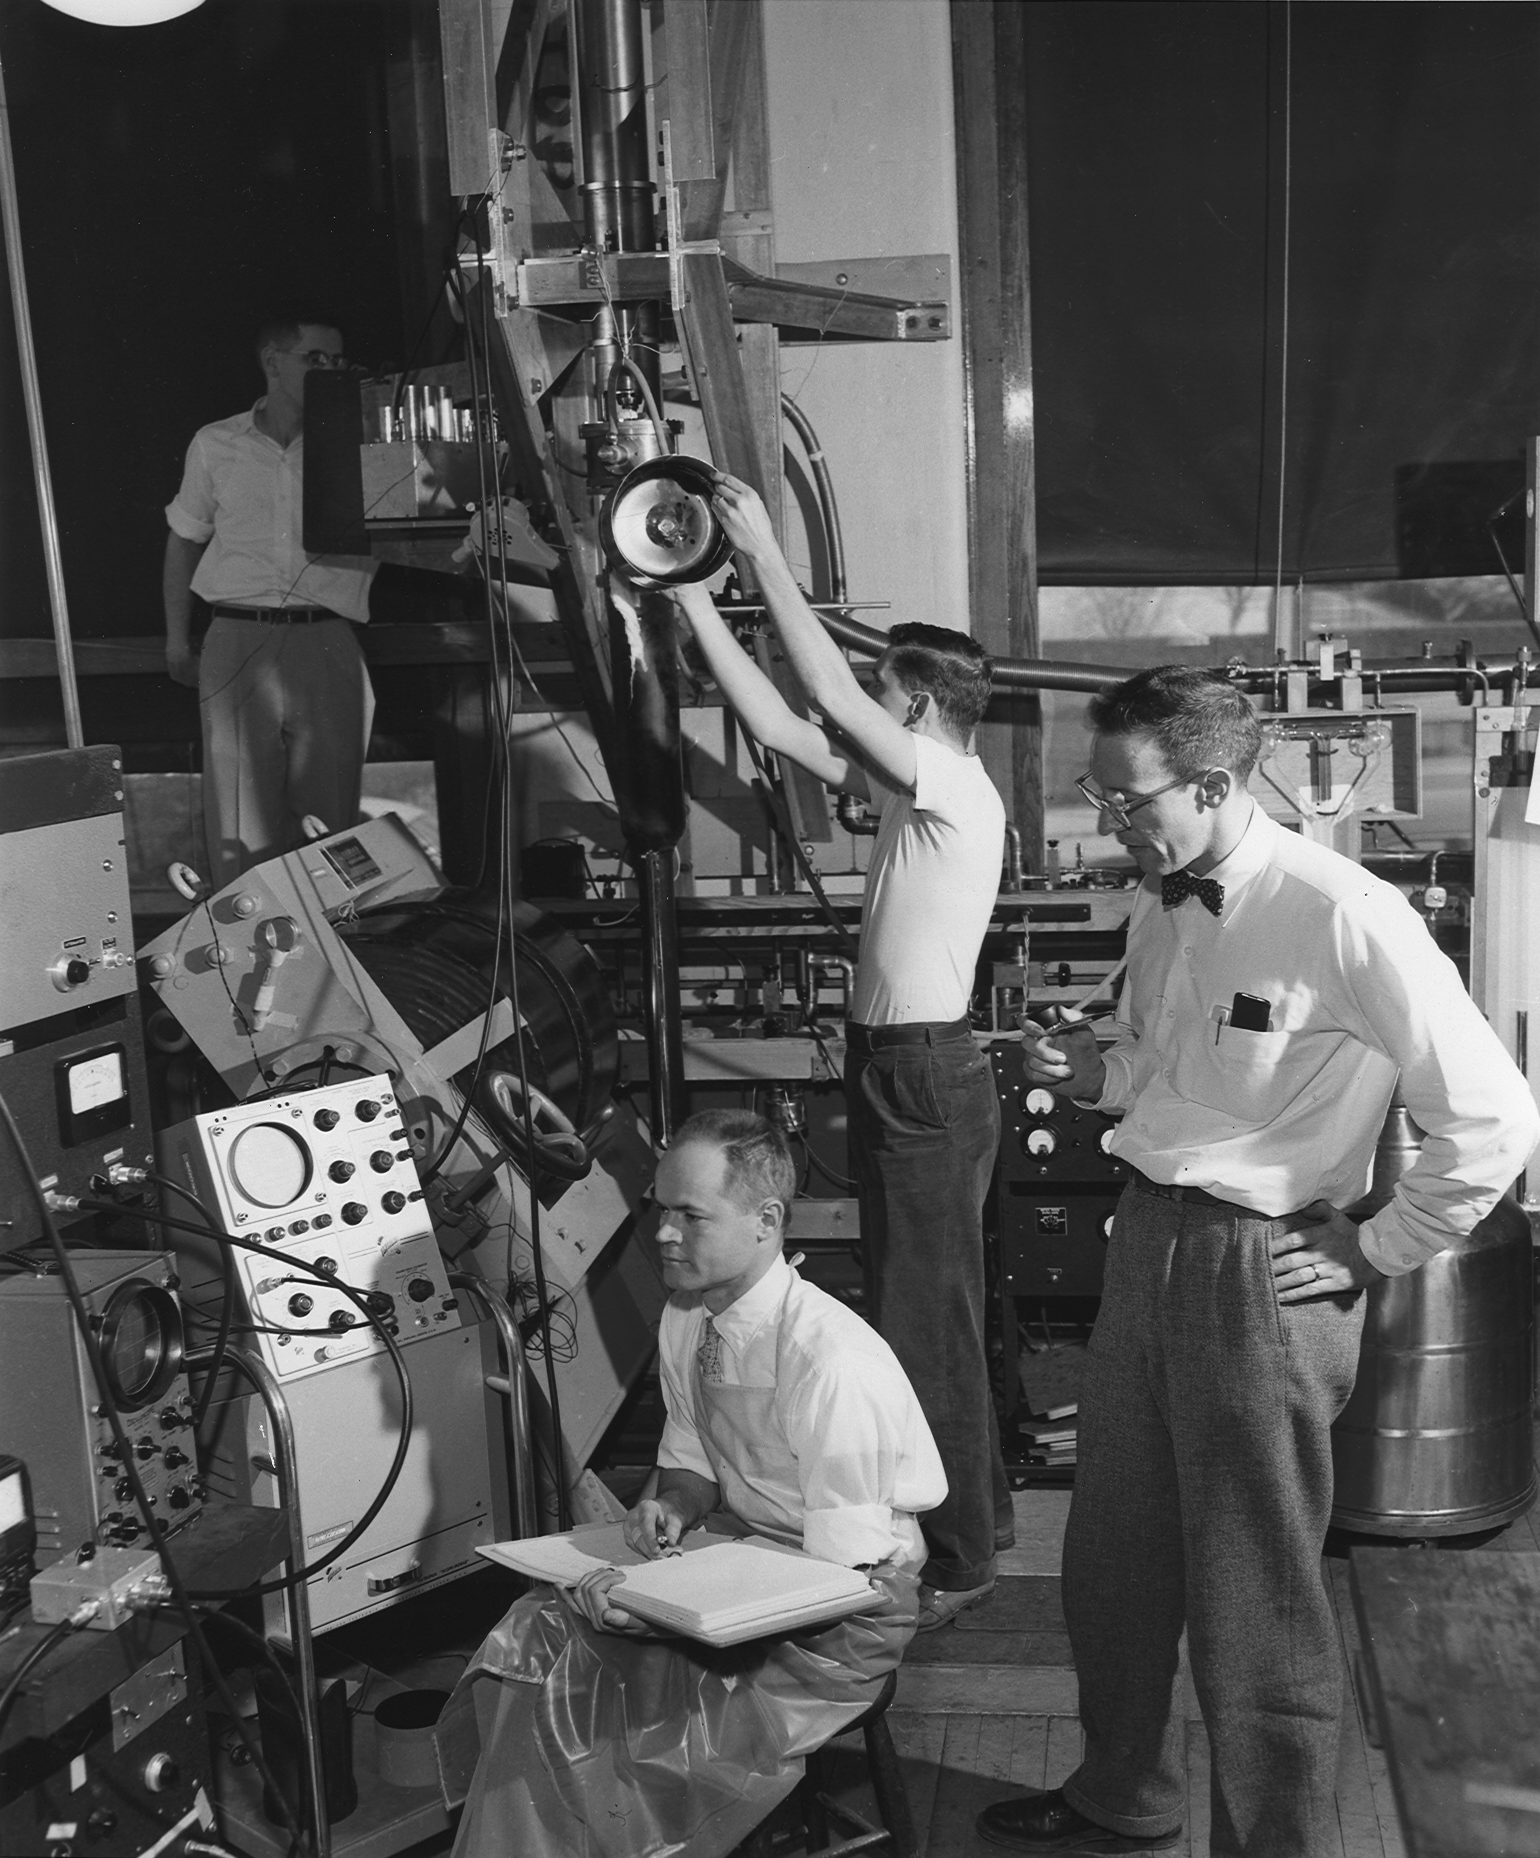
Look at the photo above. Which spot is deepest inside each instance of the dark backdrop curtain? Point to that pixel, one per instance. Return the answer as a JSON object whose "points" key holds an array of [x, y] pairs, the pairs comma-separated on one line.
{"points": [[1157, 207]]}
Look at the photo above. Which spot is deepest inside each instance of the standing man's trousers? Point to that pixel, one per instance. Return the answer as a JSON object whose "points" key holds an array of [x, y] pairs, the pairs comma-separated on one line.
{"points": [[924, 1129], [286, 714], [1202, 1497]]}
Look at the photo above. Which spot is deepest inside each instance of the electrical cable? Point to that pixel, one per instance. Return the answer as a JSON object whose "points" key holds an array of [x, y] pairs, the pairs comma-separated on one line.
{"points": [[257, 1589], [778, 807], [834, 1180], [834, 540], [30, 1663], [226, 1303], [179, 1591]]}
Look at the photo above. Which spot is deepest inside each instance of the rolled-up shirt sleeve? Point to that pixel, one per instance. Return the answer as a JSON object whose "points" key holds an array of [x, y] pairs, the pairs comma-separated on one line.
{"points": [[191, 512], [1465, 1093], [863, 1452]]}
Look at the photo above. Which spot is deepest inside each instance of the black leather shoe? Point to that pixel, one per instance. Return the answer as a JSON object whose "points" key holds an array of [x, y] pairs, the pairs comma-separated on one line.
{"points": [[1046, 1822]]}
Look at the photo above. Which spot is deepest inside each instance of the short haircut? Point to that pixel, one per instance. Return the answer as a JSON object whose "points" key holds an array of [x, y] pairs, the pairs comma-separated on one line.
{"points": [[281, 330], [1197, 720], [955, 669], [758, 1164]]}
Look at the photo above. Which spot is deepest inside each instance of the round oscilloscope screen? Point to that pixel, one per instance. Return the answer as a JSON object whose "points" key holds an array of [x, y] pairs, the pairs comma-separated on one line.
{"points": [[270, 1165]]}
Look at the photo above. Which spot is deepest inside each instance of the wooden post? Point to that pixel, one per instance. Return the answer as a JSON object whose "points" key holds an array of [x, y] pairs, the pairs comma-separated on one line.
{"points": [[989, 82]]}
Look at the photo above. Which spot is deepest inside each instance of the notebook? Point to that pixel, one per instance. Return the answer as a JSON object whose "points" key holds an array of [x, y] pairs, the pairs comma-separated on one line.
{"points": [[721, 1590]]}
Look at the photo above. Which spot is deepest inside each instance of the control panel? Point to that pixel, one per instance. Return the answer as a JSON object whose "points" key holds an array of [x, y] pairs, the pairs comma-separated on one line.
{"points": [[327, 1178], [81, 1492], [1058, 1186]]}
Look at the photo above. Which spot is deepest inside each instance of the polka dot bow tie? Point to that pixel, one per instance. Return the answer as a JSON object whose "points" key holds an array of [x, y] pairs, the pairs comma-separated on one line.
{"points": [[1182, 884]]}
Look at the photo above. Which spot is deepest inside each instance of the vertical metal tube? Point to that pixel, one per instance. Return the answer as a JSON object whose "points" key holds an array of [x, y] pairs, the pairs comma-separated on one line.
{"points": [[1521, 1059], [665, 1038], [74, 733]]}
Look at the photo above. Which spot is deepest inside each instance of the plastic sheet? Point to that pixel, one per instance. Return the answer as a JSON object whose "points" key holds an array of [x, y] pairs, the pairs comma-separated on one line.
{"points": [[595, 1745]]}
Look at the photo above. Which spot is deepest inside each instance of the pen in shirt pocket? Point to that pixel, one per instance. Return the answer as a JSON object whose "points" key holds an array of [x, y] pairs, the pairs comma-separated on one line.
{"points": [[1221, 1019]]}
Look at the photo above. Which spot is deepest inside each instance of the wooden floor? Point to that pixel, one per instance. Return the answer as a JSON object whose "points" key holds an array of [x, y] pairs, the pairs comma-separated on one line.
{"points": [[987, 1707]]}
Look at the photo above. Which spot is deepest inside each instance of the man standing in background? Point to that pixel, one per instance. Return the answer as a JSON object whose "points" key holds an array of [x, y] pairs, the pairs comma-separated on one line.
{"points": [[283, 690], [924, 1116]]}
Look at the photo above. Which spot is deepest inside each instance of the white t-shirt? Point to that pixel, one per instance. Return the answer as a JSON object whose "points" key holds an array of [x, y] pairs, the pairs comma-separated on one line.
{"points": [[243, 494], [932, 885]]}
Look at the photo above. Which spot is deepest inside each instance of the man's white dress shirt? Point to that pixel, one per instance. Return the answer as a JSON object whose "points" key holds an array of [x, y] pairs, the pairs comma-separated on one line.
{"points": [[1357, 990], [243, 494], [843, 1457]]}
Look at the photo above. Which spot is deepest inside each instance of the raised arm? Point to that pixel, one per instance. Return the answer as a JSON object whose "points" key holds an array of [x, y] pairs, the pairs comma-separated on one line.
{"points": [[759, 706], [818, 662]]}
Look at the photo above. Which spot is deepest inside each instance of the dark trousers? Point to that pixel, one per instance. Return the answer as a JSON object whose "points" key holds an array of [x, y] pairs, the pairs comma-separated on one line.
{"points": [[1202, 1499], [924, 1130]]}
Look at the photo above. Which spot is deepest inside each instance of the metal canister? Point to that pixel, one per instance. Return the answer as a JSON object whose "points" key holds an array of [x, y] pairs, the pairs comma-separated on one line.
{"points": [[1437, 1438]]}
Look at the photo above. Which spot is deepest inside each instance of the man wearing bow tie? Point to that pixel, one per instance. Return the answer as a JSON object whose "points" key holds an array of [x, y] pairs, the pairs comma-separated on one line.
{"points": [[1275, 990]]}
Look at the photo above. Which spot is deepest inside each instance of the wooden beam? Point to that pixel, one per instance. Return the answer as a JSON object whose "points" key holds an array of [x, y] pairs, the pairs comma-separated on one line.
{"points": [[989, 85]]}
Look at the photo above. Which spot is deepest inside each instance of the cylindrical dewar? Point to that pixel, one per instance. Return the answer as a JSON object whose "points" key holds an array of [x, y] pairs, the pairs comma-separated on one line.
{"points": [[1437, 1437]]}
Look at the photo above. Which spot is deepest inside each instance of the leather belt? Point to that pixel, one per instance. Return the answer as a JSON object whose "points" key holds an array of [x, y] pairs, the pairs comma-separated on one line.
{"points": [[277, 615], [915, 1032], [1167, 1190]]}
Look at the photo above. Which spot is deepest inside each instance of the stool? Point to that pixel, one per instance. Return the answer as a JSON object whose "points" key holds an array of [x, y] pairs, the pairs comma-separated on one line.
{"points": [[811, 1797]]}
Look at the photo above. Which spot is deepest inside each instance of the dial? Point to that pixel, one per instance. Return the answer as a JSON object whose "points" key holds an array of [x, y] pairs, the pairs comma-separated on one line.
{"points": [[342, 1170], [1040, 1102], [327, 1119], [382, 1161], [1041, 1142], [353, 1213], [366, 1111], [1104, 1141], [393, 1201]]}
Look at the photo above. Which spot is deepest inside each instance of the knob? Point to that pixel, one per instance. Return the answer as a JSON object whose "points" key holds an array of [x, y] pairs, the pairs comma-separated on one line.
{"points": [[274, 1234], [366, 1111], [300, 1304], [380, 1301], [327, 1119], [1040, 1102], [299, 1226], [1041, 1142], [341, 1319], [245, 904], [145, 1448], [123, 1490], [382, 1161], [130, 1527], [175, 1458], [321, 1220], [161, 1773], [112, 1449], [71, 973], [172, 1417], [393, 1201], [342, 1170], [102, 1823], [179, 1499], [420, 1289], [352, 1213], [328, 1265]]}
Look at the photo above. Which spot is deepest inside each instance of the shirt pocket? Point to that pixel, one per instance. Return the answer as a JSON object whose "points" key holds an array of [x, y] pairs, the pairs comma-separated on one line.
{"points": [[1253, 1076]]}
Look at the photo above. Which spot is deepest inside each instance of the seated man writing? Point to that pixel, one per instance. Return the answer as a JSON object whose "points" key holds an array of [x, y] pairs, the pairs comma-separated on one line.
{"points": [[789, 1418]]}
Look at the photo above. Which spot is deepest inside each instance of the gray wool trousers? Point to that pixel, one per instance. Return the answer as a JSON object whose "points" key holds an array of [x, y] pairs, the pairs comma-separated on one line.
{"points": [[1202, 1500]]}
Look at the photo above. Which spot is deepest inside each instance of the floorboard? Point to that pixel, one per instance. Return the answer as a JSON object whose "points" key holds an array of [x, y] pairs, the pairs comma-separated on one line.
{"points": [[989, 1705]]}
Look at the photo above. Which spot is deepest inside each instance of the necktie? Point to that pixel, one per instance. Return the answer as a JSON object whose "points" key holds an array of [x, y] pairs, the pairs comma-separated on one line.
{"points": [[1182, 884], [708, 1356]]}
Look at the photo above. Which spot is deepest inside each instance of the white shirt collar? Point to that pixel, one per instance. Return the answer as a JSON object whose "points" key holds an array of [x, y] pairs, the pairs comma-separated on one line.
{"points": [[742, 1320]]}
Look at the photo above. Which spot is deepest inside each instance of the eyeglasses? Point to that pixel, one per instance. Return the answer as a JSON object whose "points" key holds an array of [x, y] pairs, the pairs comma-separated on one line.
{"points": [[315, 357], [1118, 811]]}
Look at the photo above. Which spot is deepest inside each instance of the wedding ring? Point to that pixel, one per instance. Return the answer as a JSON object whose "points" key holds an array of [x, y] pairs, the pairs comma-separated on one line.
{"points": [[1315, 1272]]}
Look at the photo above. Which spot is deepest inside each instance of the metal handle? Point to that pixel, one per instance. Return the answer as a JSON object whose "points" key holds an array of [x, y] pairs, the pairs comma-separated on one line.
{"points": [[296, 1598], [516, 1387]]}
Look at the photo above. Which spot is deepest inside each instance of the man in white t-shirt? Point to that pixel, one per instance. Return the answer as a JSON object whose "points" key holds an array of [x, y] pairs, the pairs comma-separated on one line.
{"points": [[924, 1117], [283, 691]]}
